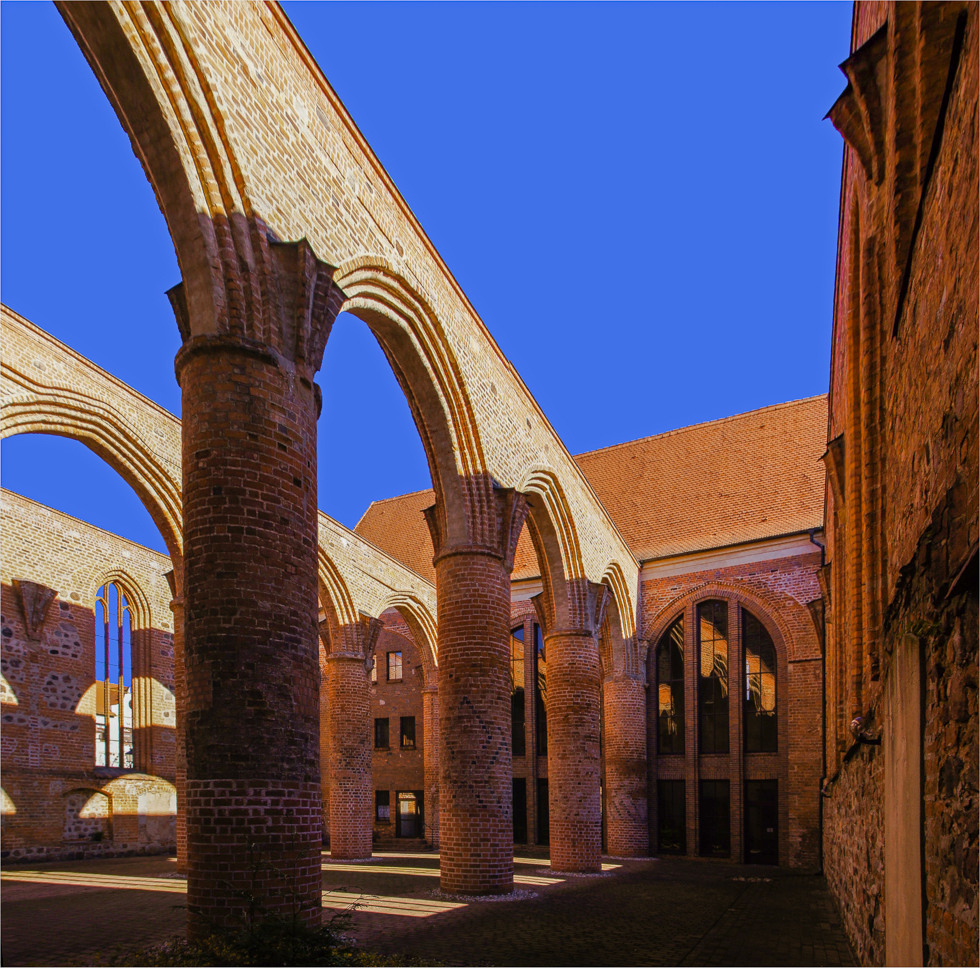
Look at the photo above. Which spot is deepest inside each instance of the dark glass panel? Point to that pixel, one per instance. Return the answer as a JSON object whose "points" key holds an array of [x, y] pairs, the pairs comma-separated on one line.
{"points": [[671, 817], [407, 733], [712, 644], [381, 733], [544, 830], [761, 821], [517, 699], [715, 819], [760, 686], [520, 809], [382, 806], [670, 690]]}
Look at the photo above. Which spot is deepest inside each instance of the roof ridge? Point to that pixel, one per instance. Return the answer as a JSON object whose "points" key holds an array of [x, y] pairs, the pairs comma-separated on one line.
{"points": [[394, 497], [703, 423]]}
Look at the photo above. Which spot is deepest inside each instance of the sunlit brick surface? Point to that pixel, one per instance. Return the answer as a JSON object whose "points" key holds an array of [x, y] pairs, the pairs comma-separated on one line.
{"points": [[252, 728], [349, 756], [573, 750], [624, 700], [475, 817]]}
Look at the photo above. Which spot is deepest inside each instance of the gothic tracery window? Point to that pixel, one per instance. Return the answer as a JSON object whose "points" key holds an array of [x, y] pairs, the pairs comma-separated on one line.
{"points": [[113, 678]]}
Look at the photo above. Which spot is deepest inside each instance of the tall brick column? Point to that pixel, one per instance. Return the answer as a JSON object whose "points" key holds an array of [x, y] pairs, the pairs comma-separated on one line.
{"points": [[250, 596], [573, 706], [624, 708], [476, 835], [349, 743], [430, 753]]}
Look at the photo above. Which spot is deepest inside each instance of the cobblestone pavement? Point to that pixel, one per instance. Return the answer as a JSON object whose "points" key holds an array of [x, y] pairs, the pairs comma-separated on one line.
{"points": [[666, 911]]}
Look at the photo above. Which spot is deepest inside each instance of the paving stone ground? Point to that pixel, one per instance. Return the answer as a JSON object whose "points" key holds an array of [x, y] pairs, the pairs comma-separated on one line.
{"points": [[655, 911]]}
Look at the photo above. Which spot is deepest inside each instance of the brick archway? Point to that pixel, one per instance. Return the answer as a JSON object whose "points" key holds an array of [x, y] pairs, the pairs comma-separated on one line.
{"points": [[62, 412], [255, 313]]}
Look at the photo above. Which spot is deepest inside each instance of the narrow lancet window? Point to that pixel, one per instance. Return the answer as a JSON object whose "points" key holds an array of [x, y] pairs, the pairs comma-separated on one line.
{"points": [[760, 686], [712, 633], [670, 690], [113, 678], [517, 715]]}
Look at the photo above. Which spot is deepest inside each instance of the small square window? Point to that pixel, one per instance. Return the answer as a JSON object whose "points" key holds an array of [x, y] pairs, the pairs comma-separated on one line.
{"points": [[394, 667], [382, 805], [408, 733], [381, 734]]}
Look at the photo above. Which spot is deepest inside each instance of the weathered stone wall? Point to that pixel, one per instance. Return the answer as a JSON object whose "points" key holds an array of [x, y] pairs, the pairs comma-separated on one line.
{"points": [[936, 614], [902, 501], [853, 833], [58, 803]]}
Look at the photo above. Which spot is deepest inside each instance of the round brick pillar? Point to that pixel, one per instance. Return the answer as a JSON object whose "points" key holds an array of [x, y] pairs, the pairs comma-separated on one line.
{"points": [[349, 757], [180, 765], [624, 705], [573, 751], [476, 833], [430, 756], [250, 636]]}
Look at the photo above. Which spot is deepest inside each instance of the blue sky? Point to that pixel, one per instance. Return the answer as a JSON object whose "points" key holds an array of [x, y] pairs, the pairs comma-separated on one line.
{"points": [[639, 199]]}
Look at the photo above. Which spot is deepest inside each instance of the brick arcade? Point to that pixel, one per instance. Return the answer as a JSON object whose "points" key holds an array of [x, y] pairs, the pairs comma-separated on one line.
{"points": [[652, 648]]}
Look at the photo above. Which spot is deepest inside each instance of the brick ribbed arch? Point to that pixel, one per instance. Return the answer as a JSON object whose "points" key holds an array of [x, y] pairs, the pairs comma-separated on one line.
{"points": [[182, 77], [245, 145], [426, 368], [422, 624], [63, 412]]}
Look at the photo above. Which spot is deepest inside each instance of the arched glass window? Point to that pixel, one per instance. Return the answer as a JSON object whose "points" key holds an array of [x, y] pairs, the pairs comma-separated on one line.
{"points": [[712, 641], [760, 686], [518, 745], [670, 690], [113, 678]]}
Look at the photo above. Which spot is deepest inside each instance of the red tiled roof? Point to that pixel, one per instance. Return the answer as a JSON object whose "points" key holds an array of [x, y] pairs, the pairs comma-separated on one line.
{"points": [[743, 478]]}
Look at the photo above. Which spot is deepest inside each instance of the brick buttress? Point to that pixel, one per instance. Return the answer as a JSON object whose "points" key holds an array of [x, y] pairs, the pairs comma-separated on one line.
{"points": [[624, 720], [349, 730], [476, 831]]}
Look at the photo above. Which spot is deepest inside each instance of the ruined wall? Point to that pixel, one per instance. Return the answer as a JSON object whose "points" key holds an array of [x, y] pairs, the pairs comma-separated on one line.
{"points": [[57, 803], [854, 854]]}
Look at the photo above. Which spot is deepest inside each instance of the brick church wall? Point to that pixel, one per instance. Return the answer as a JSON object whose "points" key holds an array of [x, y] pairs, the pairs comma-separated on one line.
{"points": [[397, 769], [901, 808]]}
